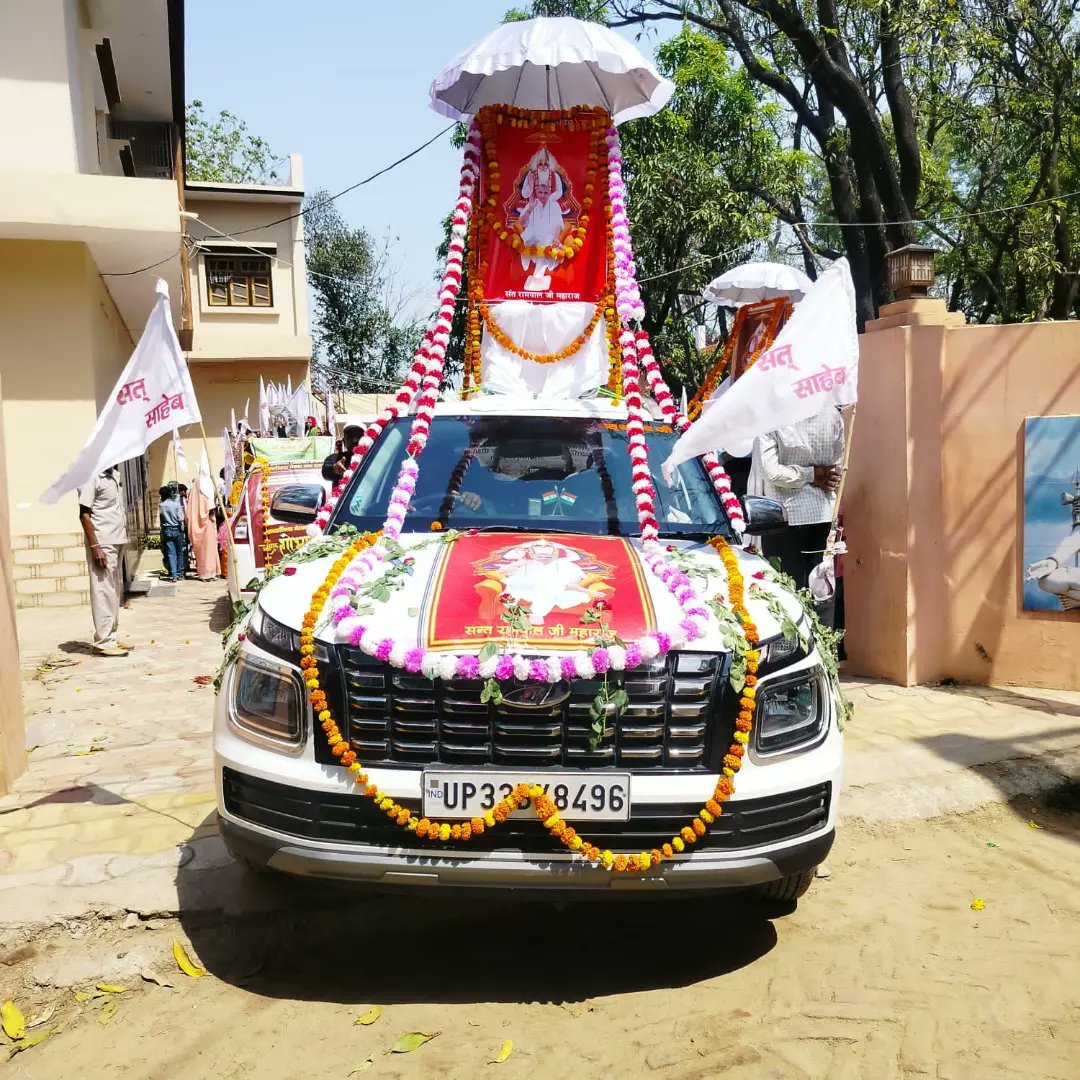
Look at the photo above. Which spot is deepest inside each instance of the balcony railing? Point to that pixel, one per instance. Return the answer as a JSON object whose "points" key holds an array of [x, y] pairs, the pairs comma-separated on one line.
{"points": [[152, 147]]}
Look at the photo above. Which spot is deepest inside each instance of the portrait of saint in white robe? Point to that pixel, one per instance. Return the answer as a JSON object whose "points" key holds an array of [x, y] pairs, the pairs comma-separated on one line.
{"points": [[546, 576], [542, 216]]}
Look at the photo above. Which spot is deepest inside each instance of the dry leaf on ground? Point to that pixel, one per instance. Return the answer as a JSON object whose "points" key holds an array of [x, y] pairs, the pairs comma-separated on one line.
{"points": [[152, 977], [369, 1017], [42, 1017], [363, 1066], [108, 1011], [13, 1021], [25, 1044], [109, 988], [412, 1040], [184, 962], [504, 1052]]}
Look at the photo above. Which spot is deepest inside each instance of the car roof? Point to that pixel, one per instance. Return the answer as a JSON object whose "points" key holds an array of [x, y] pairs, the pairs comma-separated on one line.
{"points": [[496, 405]]}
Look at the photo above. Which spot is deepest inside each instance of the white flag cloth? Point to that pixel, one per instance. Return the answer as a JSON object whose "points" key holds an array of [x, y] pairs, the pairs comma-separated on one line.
{"points": [[152, 397], [813, 364], [331, 415], [227, 460], [178, 451], [204, 479], [232, 421], [264, 408]]}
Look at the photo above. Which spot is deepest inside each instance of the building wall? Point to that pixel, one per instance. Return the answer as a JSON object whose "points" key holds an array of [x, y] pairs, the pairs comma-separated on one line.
{"points": [[62, 347], [222, 333], [12, 740], [934, 505], [39, 78]]}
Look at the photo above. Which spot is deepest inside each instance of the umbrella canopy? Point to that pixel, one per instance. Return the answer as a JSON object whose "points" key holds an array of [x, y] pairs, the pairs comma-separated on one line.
{"points": [[551, 64], [751, 282]]}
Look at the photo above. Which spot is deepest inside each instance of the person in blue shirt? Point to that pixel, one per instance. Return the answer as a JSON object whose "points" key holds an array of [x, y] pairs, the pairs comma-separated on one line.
{"points": [[173, 533]]}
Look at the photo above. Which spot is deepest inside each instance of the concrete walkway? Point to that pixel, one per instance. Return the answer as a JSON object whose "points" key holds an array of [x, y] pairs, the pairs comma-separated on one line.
{"points": [[116, 810]]}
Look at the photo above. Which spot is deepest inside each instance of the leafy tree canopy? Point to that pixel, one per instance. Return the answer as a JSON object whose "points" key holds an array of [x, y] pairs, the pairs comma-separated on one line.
{"points": [[221, 150]]}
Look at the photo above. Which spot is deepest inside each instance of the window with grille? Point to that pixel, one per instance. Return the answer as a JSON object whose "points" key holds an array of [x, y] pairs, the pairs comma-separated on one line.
{"points": [[238, 281]]}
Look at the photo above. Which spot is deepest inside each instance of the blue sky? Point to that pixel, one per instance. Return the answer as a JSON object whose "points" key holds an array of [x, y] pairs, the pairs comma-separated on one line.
{"points": [[344, 83]]}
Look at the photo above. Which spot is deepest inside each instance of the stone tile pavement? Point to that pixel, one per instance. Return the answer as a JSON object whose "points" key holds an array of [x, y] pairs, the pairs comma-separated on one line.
{"points": [[118, 795]]}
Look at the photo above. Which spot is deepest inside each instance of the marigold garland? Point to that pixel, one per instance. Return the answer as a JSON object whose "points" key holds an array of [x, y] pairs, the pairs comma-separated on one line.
{"points": [[523, 792], [604, 309]]}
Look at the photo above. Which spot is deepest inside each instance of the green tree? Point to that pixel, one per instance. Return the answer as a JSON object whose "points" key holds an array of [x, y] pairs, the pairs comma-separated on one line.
{"points": [[220, 149], [362, 338]]}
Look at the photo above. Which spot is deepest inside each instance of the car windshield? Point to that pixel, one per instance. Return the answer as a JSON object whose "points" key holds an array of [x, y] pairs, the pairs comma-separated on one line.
{"points": [[567, 474]]}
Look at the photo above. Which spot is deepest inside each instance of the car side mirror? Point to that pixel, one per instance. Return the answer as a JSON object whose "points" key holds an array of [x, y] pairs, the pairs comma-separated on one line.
{"points": [[297, 504], [763, 515]]}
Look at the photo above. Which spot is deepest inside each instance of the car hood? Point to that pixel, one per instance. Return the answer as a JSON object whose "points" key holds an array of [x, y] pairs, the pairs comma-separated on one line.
{"points": [[454, 596]]}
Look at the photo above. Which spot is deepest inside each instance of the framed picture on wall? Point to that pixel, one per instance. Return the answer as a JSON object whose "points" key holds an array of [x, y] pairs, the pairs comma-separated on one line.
{"points": [[1051, 555]]}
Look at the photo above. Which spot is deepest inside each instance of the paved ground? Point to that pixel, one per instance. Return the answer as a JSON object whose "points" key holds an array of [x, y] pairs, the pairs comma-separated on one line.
{"points": [[109, 852]]}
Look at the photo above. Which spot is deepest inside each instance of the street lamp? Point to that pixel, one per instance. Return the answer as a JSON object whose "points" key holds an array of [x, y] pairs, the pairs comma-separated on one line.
{"points": [[911, 270]]}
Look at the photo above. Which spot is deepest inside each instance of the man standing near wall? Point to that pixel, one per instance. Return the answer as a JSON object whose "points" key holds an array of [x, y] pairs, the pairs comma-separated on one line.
{"points": [[104, 523]]}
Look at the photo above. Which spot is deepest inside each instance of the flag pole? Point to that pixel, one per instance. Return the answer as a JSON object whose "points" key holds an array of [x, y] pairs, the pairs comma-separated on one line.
{"points": [[232, 568]]}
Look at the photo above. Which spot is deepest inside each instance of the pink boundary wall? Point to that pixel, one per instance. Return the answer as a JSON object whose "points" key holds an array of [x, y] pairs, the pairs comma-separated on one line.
{"points": [[934, 500]]}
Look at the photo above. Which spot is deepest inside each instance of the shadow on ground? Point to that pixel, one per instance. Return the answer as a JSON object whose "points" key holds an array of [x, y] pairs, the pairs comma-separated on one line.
{"points": [[305, 939]]}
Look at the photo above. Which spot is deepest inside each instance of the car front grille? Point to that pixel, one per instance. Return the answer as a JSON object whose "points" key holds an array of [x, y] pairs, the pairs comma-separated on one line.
{"points": [[394, 718], [345, 818]]}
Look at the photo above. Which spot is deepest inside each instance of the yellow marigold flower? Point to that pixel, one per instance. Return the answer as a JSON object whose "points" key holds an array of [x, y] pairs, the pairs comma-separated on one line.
{"points": [[536, 791], [444, 832], [644, 861], [742, 737], [698, 826], [749, 691], [355, 767], [325, 715], [489, 820], [413, 825], [706, 817], [606, 859], [576, 843], [677, 844], [386, 803], [621, 863], [668, 851], [550, 822], [728, 771]]}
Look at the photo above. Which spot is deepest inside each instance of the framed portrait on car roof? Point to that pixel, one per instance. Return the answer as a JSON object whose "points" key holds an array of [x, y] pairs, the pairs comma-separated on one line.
{"points": [[754, 330]]}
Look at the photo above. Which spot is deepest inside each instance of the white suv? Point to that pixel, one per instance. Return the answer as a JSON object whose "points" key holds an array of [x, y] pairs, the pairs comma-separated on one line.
{"points": [[553, 485]]}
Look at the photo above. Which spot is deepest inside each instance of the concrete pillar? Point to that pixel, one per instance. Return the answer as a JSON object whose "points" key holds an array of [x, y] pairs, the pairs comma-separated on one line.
{"points": [[893, 500], [12, 732]]}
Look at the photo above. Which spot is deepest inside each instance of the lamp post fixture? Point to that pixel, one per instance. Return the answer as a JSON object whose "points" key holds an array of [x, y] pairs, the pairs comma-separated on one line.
{"points": [[911, 270]]}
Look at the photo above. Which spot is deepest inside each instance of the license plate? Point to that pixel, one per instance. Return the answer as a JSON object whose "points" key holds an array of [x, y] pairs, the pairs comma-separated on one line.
{"points": [[578, 796]]}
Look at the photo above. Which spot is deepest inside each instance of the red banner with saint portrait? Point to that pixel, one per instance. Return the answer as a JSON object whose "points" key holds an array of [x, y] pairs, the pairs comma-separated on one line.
{"points": [[555, 581], [542, 230]]}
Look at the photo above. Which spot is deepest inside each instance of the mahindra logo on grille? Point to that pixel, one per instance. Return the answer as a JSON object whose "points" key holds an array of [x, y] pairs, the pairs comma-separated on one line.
{"points": [[536, 695]]}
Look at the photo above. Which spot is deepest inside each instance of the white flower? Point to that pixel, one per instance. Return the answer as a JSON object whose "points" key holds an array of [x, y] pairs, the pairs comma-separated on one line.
{"points": [[347, 626], [397, 656], [554, 669], [649, 648], [487, 667], [521, 667], [448, 666], [618, 657], [429, 666], [369, 643], [584, 665]]}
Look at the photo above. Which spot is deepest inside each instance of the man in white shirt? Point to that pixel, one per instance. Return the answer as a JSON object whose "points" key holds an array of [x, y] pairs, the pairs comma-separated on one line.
{"points": [[799, 467], [104, 523]]}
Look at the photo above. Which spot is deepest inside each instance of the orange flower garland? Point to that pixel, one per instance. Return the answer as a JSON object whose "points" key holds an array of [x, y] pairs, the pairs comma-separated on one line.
{"points": [[604, 309], [522, 793]]}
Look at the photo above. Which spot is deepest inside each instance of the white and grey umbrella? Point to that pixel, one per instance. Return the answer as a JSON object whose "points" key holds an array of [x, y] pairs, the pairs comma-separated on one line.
{"points": [[756, 281], [551, 64]]}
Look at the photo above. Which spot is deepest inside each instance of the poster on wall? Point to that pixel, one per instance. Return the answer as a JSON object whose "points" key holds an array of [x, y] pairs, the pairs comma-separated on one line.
{"points": [[544, 195], [1051, 559]]}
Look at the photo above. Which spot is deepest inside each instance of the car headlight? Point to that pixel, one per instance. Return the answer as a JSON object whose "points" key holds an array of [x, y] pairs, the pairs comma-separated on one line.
{"points": [[791, 712], [266, 700], [273, 636]]}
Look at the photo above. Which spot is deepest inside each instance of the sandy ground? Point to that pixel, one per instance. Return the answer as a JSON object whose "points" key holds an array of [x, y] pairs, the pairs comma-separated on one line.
{"points": [[884, 970]]}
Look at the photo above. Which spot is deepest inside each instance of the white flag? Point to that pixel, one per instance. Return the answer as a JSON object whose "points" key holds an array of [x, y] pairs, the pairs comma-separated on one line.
{"points": [[264, 409], [331, 415], [229, 462], [152, 397], [179, 456], [203, 478], [812, 365], [232, 421], [247, 412]]}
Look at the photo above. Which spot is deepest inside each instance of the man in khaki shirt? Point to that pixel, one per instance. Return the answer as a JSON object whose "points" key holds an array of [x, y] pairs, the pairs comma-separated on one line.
{"points": [[104, 523]]}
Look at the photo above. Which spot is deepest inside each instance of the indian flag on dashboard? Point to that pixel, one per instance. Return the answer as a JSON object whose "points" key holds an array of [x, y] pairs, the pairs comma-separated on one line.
{"points": [[550, 498]]}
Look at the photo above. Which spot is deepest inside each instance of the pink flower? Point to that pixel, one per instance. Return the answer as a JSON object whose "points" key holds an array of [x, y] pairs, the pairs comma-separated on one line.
{"points": [[504, 668], [289, 571], [414, 658], [386, 647], [633, 655], [538, 671], [241, 637], [601, 660], [663, 641], [759, 575], [569, 667], [468, 667]]}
